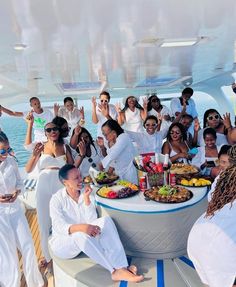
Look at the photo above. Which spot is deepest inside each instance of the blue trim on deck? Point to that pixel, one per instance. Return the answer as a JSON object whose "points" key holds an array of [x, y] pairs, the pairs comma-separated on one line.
{"points": [[187, 261], [151, 212], [160, 274], [125, 283]]}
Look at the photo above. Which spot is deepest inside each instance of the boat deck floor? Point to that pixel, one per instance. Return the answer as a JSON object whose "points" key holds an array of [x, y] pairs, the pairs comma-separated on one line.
{"points": [[31, 216]]}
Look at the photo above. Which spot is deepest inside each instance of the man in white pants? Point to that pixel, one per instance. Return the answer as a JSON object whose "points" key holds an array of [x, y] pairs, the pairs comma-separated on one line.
{"points": [[76, 228]]}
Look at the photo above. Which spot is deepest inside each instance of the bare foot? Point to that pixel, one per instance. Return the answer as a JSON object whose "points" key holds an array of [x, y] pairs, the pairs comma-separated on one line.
{"points": [[133, 269], [126, 275]]}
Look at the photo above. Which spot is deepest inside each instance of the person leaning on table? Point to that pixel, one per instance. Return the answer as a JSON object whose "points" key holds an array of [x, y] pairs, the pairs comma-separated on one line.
{"points": [[76, 228]]}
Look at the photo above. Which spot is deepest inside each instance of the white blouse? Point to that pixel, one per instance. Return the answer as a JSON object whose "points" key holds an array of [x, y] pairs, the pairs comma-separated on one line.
{"points": [[120, 156], [133, 121], [72, 117], [147, 143]]}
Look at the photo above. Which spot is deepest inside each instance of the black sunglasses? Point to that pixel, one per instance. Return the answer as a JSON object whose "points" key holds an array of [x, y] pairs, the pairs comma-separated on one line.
{"points": [[54, 129]]}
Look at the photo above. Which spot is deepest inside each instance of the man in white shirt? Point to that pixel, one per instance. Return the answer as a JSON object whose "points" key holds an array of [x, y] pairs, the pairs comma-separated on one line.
{"points": [[41, 117], [184, 104], [76, 228]]}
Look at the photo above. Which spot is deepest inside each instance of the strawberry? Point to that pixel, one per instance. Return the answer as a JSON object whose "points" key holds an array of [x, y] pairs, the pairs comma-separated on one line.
{"points": [[112, 194]]}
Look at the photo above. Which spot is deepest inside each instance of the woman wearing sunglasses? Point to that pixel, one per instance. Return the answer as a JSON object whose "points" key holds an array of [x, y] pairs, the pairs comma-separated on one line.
{"points": [[151, 139], [14, 229], [103, 111], [155, 108], [176, 145], [212, 119], [49, 158], [132, 115], [88, 153]]}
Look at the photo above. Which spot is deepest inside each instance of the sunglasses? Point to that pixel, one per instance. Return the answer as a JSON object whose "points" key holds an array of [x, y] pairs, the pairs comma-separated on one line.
{"points": [[91, 161], [175, 132], [216, 117], [4, 151], [150, 125], [155, 100], [104, 101], [54, 129]]}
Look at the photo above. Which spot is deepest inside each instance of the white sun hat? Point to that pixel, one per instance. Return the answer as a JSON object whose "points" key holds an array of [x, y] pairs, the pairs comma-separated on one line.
{"points": [[129, 96]]}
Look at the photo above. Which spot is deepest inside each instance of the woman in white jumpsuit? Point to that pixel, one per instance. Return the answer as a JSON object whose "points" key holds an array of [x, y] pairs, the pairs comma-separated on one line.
{"points": [[76, 228], [212, 240], [14, 229], [121, 153], [49, 157]]}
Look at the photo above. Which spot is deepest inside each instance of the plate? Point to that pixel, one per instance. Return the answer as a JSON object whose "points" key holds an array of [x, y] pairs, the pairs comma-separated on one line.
{"points": [[200, 181], [108, 179], [154, 196], [182, 169], [118, 191]]}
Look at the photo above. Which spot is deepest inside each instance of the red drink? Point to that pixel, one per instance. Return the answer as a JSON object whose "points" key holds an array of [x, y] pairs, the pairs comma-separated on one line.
{"points": [[142, 183], [172, 179]]}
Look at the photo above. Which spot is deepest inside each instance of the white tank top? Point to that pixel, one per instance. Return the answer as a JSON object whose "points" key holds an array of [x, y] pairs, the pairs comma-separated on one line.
{"points": [[133, 121]]}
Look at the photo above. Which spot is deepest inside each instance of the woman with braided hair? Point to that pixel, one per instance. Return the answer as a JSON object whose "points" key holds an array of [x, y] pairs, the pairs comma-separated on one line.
{"points": [[212, 240]]}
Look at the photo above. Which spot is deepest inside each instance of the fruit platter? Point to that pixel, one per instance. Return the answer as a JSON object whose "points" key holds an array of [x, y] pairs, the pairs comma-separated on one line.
{"points": [[168, 194], [105, 178], [195, 182], [122, 189]]}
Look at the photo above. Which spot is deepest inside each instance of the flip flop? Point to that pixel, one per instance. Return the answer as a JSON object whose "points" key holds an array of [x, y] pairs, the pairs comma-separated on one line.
{"points": [[133, 269]]}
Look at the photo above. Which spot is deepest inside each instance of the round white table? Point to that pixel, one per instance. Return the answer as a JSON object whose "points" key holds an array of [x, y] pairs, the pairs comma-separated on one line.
{"points": [[151, 229]]}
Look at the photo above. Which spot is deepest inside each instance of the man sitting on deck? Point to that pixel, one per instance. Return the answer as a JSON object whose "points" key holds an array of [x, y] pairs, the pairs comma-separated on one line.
{"points": [[76, 228]]}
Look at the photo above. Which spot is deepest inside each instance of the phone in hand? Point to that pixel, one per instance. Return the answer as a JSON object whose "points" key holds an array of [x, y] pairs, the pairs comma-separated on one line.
{"points": [[211, 163]]}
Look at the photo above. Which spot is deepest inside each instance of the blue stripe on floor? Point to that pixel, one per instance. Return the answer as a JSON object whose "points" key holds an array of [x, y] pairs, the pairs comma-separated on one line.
{"points": [[187, 261], [125, 283], [160, 274]]}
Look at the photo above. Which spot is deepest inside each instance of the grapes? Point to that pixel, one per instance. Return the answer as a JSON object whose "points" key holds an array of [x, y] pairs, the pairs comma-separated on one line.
{"points": [[125, 192]]}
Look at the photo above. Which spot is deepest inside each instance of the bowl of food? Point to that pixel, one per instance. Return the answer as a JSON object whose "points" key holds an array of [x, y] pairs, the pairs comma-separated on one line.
{"points": [[168, 194], [181, 168]]}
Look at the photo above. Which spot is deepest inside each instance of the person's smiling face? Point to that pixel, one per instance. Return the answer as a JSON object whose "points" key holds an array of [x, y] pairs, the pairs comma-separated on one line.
{"points": [[175, 133], [150, 126]]}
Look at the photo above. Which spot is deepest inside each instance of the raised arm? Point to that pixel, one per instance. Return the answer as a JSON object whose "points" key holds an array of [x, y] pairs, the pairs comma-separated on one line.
{"points": [[74, 138], [121, 115], [94, 113], [11, 113], [34, 157], [144, 111], [30, 121], [231, 132]]}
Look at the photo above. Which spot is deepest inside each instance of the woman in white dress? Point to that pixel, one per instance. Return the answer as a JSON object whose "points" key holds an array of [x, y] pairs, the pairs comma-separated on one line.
{"points": [[132, 115], [14, 229], [48, 157], [120, 153], [88, 152], [212, 240], [212, 119], [155, 108], [76, 229]]}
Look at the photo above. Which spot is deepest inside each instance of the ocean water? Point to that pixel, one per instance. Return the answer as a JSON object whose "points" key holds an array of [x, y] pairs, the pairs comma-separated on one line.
{"points": [[15, 128]]}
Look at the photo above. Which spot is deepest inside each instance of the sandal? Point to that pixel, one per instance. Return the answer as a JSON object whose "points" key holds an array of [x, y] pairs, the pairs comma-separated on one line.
{"points": [[133, 269], [43, 263]]}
